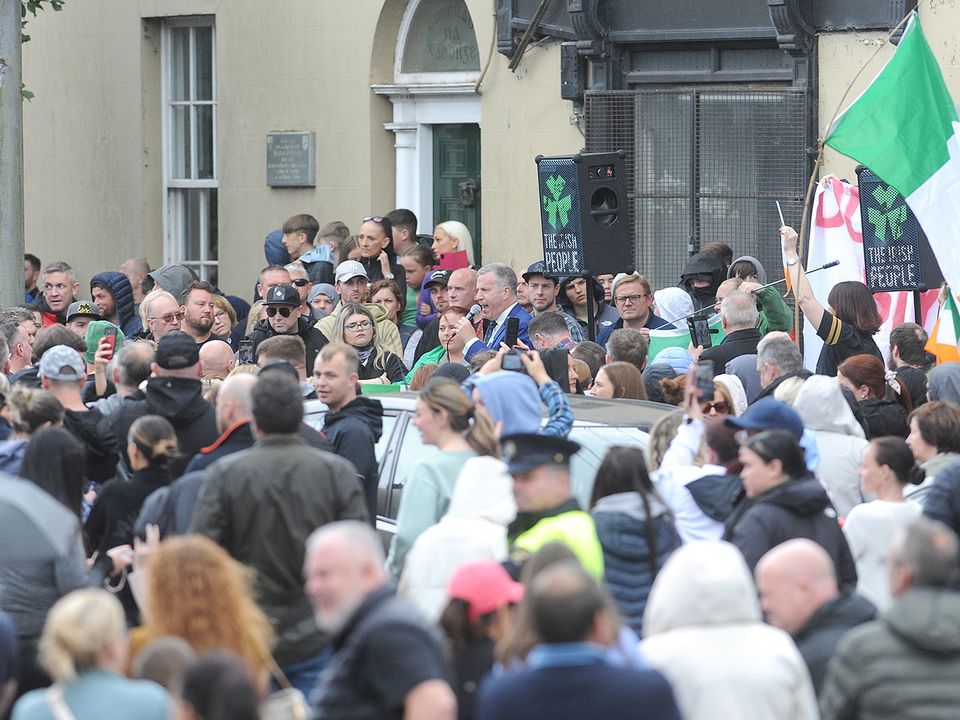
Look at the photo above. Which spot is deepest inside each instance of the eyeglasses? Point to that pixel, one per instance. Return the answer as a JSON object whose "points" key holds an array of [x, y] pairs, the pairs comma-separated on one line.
{"points": [[374, 218], [284, 311], [722, 407], [632, 299], [169, 318], [300, 282], [220, 315], [362, 325]]}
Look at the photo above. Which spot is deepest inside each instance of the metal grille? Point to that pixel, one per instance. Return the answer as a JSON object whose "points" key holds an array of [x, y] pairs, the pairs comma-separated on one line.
{"points": [[705, 165]]}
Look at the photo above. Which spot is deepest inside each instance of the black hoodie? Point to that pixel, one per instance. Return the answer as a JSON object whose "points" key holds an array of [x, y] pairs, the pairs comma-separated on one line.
{"points": [[709, 266], [817, 640], [180, 401], [93, 430], [795, 509], [313, 339], [353, 431]]}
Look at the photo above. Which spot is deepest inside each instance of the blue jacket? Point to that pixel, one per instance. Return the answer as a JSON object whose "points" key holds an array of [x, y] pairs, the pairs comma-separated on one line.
{"points": [[943, 501], [500, 334], [119, 287], [621, 524]]}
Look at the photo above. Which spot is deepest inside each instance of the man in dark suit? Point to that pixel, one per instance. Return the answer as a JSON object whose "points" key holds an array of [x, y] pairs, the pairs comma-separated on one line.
{"points": [[738, 313], [497, 298], [570, 673]]}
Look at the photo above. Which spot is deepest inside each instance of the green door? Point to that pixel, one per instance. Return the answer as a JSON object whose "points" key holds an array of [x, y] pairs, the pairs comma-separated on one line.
{"points": [[456, 178]]}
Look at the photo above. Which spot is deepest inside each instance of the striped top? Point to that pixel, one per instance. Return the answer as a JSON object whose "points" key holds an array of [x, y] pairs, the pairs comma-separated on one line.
{"points": [[840, 341]]}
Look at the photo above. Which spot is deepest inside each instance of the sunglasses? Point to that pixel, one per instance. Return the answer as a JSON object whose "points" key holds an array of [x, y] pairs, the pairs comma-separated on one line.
{"points": [[284, 311], [300, 282], [722, 407], [374, 218], [169, 318]]}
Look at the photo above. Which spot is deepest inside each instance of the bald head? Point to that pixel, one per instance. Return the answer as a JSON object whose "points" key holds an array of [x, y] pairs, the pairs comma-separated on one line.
{"points": [[234, 402], [217, 359], [795, 579], [462, 287]]}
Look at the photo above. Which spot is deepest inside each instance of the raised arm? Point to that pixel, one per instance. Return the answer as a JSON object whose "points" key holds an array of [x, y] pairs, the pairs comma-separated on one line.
{"points": [[811, 307]]}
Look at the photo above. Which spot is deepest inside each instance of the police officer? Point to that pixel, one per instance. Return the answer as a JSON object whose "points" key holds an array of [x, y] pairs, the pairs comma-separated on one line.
{"points": [[547, 511]]}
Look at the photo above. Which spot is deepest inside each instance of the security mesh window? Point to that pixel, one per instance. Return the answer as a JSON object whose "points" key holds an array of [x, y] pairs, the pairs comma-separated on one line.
{"points": [[705, 165]]}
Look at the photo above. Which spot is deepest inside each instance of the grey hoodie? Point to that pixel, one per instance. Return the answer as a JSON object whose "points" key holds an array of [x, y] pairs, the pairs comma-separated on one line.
{"points": [[761, 272], [943, 383]]}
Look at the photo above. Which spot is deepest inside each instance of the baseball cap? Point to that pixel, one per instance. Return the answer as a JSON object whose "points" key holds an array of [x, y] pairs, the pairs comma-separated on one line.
{"points": [[485, 586], [769, 414], [82, 308], [624, 277], [62, 363], [177, 351], [350, 269], [282, 295], [537, 268], [438, 277]]}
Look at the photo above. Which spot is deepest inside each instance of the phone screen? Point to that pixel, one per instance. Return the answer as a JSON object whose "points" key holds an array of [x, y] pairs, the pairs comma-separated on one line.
{"points": [[513, 330], [700, 332], [704, 379], [110, 334]]}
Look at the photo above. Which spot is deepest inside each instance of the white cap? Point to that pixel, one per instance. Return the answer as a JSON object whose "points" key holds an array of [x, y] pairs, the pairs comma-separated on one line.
{"points": [[350, 269]]}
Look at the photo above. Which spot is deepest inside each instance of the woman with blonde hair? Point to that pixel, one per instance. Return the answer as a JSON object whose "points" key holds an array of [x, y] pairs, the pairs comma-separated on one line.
{"points": [[224, 317], [258, 311], [84, 648], [357, 328], [452, 236], [196, 591], [447, 418]]}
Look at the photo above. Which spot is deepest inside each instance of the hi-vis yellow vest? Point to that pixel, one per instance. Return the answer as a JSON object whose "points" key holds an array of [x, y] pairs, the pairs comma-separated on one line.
{"points": [[575, 529]]}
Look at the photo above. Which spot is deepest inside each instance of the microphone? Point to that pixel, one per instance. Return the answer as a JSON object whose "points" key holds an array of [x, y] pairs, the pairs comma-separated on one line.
{"points": [[473, 312]]}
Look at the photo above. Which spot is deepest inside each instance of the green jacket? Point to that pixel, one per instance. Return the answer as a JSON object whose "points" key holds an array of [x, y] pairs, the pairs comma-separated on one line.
{"points": [[904, 666], [775, 314]]}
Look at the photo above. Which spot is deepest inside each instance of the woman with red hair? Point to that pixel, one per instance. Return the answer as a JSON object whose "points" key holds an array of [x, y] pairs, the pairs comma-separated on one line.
{"points": [[884, 401]]}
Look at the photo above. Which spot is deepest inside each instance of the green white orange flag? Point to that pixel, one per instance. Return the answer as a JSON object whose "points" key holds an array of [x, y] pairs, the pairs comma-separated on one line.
{"points": [[943, 340], [904, 127]]}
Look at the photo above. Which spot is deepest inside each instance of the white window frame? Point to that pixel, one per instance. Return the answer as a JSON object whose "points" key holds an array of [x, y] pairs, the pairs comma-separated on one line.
{"points": [[173, 246]]}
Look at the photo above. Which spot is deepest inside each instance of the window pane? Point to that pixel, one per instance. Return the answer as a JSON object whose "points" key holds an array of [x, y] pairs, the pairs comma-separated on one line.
{"points": [[203, 135], [180, 142], [213, 234], [179, 53], [441, 39], [190, 241], [203, 67]]}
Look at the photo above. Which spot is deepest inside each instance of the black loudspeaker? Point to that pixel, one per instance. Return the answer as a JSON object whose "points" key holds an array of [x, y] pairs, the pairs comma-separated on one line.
{"points": [[584, 215]]}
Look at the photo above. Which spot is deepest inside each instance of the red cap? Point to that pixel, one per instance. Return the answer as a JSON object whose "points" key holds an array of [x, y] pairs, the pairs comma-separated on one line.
{"points": [[485, 586]]}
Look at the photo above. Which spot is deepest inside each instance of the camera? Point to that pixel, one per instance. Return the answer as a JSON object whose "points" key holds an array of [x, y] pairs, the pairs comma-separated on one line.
{"points": [[513, 362]]}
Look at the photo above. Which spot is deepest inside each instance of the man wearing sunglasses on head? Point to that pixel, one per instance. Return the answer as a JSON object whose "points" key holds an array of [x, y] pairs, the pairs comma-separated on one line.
{"points": [[285, 316]]}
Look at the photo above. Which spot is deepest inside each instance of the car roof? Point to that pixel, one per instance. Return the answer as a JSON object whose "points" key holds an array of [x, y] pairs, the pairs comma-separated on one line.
{"points": [[586, 409]]}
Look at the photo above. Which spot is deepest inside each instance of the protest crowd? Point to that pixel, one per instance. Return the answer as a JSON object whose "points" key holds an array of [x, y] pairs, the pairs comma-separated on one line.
{"points": [[784, 548]]}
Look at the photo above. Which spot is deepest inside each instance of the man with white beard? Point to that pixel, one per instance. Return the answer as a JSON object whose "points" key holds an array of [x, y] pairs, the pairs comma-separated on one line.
{"points": [[388, 661]]}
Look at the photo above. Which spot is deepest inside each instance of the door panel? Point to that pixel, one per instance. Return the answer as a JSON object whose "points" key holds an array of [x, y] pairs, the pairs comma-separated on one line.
{"points": [[456, 177]]}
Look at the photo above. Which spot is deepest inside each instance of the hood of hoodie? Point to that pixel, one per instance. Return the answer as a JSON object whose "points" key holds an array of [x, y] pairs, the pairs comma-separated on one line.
{"points": [[379, 314], [598, 293], [843, 611], [707, 264], [304, 326], [320, 253], [884, 417], [511, 398], [629, 504], [673, 303], [484, 490], [928, 618], [11, 455], [179, 400], [821, 406], [119, 287], [703, 583], [938, 462], [761, 273], [803, 496], [943, 383], [367, 410], [172, 278]]}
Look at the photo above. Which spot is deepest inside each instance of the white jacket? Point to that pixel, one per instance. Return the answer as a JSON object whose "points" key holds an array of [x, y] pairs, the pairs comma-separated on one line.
{"points": [[474, 528], [840, 440], [703, 630]]}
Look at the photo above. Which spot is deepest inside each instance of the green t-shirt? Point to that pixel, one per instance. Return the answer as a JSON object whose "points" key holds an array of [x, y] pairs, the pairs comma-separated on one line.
{"points": [[409, 317]]}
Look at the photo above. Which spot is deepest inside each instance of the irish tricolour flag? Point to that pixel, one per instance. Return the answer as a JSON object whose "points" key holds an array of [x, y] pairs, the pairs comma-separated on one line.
{"points": [[943, 340], [904, 127]]}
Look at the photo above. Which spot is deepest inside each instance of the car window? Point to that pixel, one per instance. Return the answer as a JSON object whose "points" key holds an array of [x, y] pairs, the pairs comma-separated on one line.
{"points": [[412, 451], [595, 439], [315, 420]]}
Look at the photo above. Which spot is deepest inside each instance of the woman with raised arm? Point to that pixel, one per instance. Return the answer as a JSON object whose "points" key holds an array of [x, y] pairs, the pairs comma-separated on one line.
{"points": [[847, 326]]}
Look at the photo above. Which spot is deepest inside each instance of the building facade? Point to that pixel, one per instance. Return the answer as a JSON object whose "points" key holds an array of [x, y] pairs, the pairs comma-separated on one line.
{"points": [[186, 130]]}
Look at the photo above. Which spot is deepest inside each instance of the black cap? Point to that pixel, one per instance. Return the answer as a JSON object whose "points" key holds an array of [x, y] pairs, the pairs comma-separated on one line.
{"points": [[537, 268], [525, 452], [282, 295], [439, 277], [177, 351]]}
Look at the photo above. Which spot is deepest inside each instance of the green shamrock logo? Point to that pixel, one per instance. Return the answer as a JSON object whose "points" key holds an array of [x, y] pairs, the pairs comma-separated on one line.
{"points": [[889, 217], [557, 207]]}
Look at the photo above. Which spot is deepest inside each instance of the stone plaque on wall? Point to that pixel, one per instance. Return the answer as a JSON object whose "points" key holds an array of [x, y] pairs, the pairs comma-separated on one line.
{"points": [[291, 159]]}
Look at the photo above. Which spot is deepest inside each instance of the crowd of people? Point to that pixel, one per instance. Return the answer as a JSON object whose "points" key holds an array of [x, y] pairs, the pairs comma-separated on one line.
{"points": [[784, 546]]}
